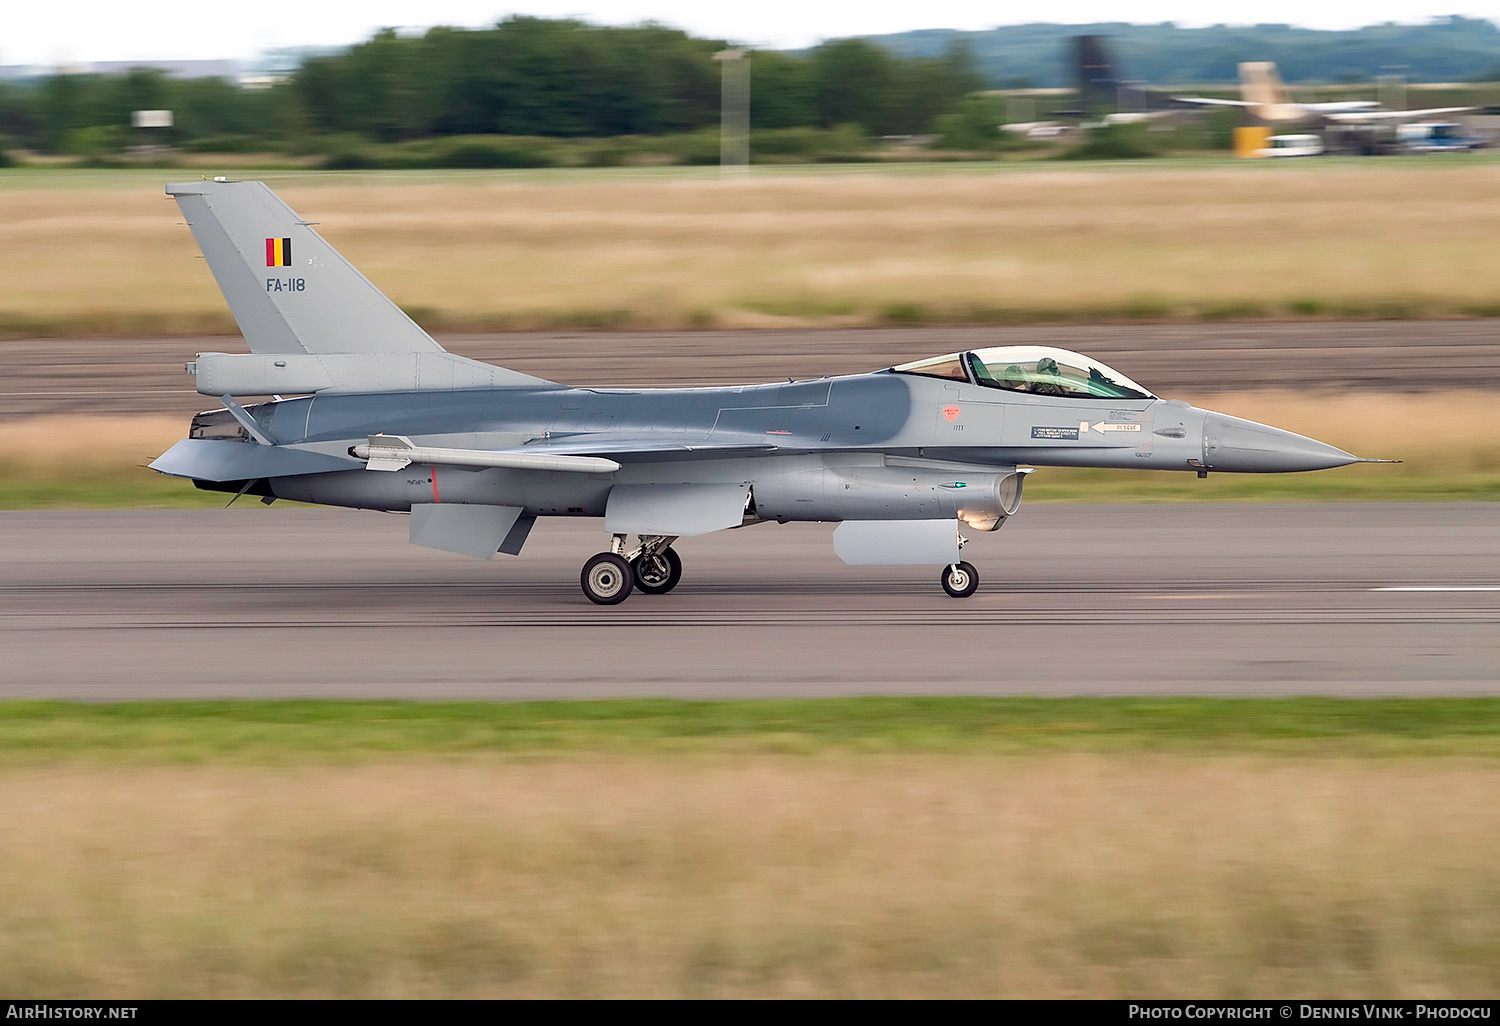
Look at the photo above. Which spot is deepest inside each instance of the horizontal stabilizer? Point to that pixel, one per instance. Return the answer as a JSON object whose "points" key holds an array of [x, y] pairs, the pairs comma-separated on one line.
{"points": [[395, 452], [218, 459]]}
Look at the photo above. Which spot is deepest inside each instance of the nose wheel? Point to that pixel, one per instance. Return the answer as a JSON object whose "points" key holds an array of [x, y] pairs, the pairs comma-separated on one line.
{"points": [[960, 580]]}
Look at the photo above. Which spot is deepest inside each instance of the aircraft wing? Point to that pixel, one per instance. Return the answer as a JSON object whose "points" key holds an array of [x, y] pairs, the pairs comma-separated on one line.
{"points": [[1396, 115], [1135, 117], [1212, 101], [641, 448], [1340, 106]]}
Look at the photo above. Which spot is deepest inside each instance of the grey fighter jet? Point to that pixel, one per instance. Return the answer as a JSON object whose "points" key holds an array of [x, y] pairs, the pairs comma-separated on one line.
{"points": [[382, 418]]}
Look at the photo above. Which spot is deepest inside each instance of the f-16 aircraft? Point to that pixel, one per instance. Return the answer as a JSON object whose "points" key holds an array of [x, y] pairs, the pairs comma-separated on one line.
{"points": [[384, 418], [1266, 97]]}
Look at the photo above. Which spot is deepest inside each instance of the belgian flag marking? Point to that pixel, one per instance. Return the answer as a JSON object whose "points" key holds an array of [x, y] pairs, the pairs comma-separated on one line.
{"points": [[278, 252]]}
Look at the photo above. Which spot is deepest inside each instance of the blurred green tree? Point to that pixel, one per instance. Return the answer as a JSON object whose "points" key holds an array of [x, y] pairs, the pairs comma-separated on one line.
{"points": [[974, 124], [853, 82]]}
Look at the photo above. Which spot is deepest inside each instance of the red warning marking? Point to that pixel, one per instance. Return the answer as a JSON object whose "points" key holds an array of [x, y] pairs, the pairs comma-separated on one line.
{"points": [[951, 412], [434, 486]]}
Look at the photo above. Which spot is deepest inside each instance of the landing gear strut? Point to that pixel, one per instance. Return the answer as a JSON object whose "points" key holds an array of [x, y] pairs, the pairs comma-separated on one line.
{"points": [[960, 580], [653, 566]]}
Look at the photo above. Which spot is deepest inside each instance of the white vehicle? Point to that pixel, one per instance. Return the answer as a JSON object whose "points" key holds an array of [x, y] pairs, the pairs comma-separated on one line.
{"points": [[1036, 129], [1292, 146]]}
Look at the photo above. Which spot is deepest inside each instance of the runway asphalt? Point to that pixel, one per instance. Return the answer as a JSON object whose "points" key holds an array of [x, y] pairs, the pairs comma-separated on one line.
{"points": [[131, 376], [1355, 599]]}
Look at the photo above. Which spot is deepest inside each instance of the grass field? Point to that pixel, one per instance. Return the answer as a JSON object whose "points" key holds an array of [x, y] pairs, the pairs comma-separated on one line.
{"points": [[1447, 440], [36, 734], [103, 252], [859, 847]]}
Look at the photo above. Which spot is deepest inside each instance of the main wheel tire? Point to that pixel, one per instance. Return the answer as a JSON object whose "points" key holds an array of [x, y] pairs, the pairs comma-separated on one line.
{"points": [[607, 579], [658, 574], [960, 580]]}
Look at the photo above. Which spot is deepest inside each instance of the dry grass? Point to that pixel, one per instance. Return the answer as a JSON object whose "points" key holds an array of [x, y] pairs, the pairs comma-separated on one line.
{"points": [[72, 461], [1084, 242], [51, 445], [1436, 432], [1050, 876], [1453, 430], [1447, 439]]}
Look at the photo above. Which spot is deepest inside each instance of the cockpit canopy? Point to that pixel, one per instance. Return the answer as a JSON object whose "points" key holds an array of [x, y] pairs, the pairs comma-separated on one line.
{"points": [[1041, 370]]}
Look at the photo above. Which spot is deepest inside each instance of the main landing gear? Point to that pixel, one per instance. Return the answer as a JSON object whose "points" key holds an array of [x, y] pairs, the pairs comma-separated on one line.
{"points": [[653, 566], [658, 574], [607, 579]]}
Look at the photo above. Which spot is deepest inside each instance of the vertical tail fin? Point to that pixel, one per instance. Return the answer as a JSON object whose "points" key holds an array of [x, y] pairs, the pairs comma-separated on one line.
{"points": [[1097, 79], [1260, 83], [289, 290]]}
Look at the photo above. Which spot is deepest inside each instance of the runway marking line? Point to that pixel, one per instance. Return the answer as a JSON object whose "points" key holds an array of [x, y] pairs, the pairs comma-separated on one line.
{"points": [[134, 391], [1440, 587]]}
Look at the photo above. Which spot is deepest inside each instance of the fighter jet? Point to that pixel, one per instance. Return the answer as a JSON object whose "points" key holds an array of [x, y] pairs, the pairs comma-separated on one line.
{"points": [[370, 412]]}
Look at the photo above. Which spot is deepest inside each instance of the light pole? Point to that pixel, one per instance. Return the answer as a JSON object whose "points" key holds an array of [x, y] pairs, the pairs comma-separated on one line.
{"points": [[1019, 109], [734, 114], [1393, 83]]}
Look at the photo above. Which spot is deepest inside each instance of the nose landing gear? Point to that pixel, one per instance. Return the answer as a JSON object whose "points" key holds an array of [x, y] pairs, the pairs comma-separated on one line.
{"points": [[960, 580], [653, 566]]}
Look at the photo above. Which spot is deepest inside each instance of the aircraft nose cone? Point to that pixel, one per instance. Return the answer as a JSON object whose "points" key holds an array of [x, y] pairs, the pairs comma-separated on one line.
{"points": [[1243, 446]]}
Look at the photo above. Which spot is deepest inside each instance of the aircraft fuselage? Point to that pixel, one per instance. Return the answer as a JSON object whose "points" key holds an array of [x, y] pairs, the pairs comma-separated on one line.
{"points": [[887, 443]]}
